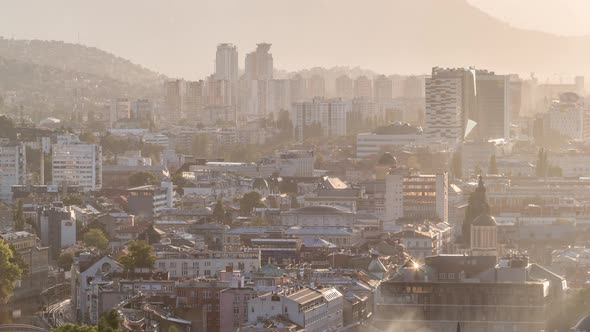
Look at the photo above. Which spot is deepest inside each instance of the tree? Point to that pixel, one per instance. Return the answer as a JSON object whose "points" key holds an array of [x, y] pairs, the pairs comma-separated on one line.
{"points": [[96, 238], [73, 199], [141, 255], [493, 167], [65, 260], [18, 259], [250, 201], [172, 329], [9, 272], [109, 321], [218, 211], [139, 179], [74, 328], [19, 218], [477, 205]]}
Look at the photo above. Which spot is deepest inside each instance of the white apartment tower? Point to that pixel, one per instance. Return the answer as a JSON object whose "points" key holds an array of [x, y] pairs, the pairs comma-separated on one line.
{"points": [[327, 115], [226, 62], [409, 194], [13, 169], [77, 164]]}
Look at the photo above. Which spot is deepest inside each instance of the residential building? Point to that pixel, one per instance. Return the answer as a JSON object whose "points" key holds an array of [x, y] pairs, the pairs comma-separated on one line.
{"points": [[206, 263], [259, 64], [344, 87], [193, 99], [315, 310], [363, 87], [120, 110], [327, 117], [57, 227], [382, 88], [226, 62], [416, 196], [173, 91], [147, 202], [33, 253], [13, 169], [77, 164]]}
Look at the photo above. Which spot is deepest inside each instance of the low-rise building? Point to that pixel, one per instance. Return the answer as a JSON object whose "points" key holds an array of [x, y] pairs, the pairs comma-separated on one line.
{"points": [[313, 309]]}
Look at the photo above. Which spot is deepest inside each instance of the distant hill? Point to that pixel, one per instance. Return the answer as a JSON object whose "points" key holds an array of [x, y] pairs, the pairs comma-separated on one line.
{"points": [[59, 79], [78, 58]]}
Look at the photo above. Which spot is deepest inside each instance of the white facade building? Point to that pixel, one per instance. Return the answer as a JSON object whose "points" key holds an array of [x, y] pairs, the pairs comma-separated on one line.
{"points": [[315, 310], [207, 264], [77, 164], [443, 116], [13, 169]]}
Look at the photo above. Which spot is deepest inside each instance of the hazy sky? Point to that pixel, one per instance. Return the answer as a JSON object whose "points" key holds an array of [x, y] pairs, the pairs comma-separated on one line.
{"points": [[178, 38]]}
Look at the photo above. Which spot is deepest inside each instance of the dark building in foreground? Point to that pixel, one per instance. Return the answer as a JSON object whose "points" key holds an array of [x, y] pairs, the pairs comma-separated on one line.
{"points": [[512, 295]]}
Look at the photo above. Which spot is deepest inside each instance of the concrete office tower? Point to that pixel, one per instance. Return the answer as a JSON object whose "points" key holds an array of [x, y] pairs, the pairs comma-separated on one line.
{"points": [[77, 164], [363, 87], [493, 105], [316, 87], [226, 62], [382, 88], [344, 87], [173, 91], [193, 99], [441, 94], [13, 169], [416, 196], [259, 64]]}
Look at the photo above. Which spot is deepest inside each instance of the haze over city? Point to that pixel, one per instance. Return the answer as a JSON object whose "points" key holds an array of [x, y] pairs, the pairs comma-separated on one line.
{"points": [[293, 166], [382, 35]]}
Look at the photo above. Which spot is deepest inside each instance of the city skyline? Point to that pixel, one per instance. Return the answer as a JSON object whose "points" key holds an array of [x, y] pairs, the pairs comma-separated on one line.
{"points": [[172, 41]]}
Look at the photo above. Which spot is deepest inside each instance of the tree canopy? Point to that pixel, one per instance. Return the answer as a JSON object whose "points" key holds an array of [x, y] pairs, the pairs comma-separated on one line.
{"points": [[65, 260], [9, 272], [250, 201], [141, 255], [73, 199], [19, 219], [96, 238]]}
